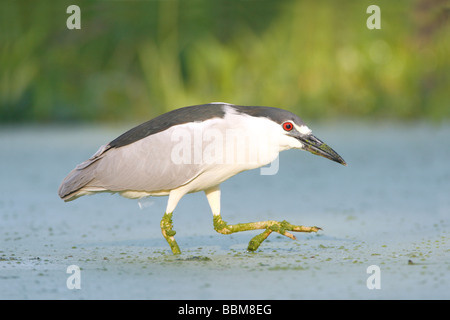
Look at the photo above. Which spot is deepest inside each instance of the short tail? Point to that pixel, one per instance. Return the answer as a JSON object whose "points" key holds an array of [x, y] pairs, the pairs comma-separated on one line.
{"points": [[71, 186], [74, 185]]}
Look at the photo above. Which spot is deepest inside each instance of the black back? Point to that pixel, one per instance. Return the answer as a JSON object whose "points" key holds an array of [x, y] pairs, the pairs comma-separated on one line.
{"points": [[198, 113], [165, 121]]}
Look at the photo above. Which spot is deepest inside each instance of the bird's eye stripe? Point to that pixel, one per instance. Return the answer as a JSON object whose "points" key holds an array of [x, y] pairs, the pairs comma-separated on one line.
{"points": [[288, 126]]}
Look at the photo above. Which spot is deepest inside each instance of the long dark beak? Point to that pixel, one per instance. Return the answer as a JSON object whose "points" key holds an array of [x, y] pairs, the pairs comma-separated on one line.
{"points": [[317, 147]]}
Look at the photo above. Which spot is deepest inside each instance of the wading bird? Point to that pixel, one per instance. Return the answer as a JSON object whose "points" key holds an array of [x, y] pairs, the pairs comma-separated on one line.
{"points": [[195, 149]]}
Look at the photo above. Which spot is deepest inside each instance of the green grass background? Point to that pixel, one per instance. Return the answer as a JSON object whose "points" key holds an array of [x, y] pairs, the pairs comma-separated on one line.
{"points": [[133, 60]]}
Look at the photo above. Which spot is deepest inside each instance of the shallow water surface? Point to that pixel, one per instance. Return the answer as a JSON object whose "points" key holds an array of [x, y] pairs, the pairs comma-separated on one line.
{"points": [[389, 207]]}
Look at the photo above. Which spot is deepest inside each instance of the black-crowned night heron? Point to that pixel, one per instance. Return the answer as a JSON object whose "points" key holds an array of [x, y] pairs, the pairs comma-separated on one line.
{"points": [[194, 149]]}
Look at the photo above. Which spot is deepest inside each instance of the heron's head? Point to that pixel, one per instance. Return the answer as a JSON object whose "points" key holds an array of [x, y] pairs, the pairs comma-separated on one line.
{"points": [[302, 138], [292, 132], [299, 136]]}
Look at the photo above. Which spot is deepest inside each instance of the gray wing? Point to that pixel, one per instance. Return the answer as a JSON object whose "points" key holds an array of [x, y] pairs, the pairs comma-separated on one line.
{"points": [[150, 164]]}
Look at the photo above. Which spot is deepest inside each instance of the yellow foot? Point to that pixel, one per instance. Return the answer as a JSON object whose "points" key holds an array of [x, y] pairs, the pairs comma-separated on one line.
{"points": [[270, 226]]}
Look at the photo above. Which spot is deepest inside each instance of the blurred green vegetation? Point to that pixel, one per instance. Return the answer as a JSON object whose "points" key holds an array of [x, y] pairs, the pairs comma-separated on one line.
{"points": [[133, 60]]}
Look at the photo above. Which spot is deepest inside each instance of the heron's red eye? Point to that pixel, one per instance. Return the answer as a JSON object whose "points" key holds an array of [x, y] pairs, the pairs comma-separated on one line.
{"points": [[288, 126]]}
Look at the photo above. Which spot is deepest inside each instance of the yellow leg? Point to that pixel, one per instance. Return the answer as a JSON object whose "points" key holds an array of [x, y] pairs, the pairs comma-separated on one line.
{"points": [[169, 233], [282, 228]]}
